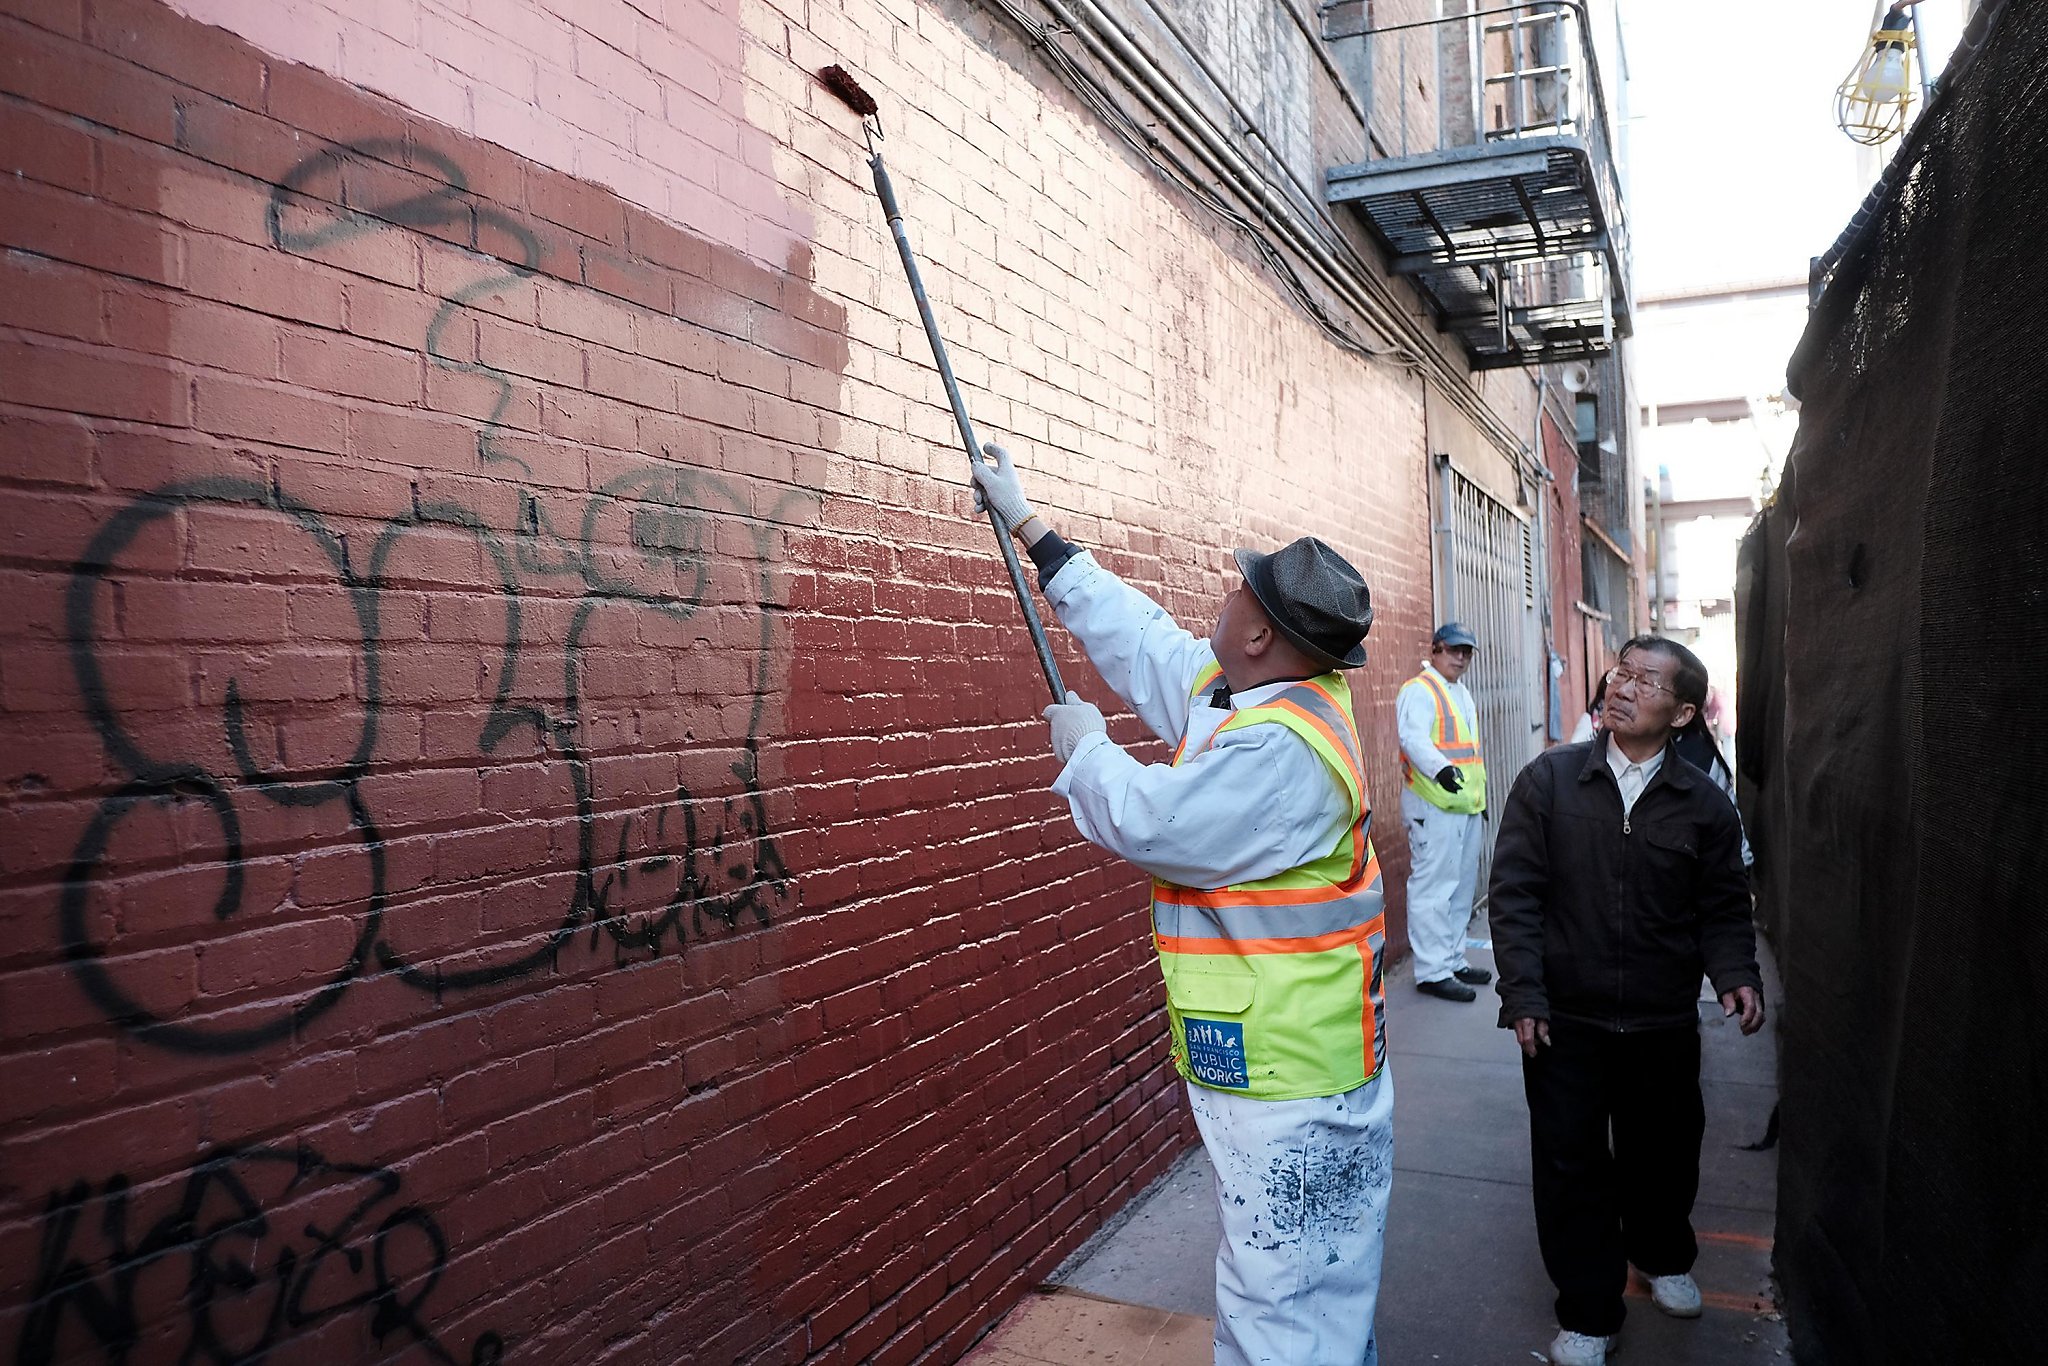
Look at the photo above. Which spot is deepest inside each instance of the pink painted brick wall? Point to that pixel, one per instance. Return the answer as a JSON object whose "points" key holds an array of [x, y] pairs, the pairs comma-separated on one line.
{"points": [[645, 97]]}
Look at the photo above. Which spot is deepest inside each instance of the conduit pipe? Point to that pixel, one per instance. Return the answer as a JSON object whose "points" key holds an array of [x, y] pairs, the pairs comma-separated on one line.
{"points": [[1447, 542], [1116, 48], [1334, 239], [1308, 197], [1111, 45]]}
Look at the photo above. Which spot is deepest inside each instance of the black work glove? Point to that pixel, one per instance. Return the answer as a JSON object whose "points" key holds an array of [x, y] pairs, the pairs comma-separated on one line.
{"points": [[1450, 780]]}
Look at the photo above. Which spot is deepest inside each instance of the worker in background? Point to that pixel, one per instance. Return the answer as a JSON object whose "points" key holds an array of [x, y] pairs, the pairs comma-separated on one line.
{"points": [[1617, 882], [1442, 803], [1266, 912]]}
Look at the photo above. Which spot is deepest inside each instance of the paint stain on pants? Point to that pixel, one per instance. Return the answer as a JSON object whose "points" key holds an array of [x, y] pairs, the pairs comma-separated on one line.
{"points": [[1302, 1188]]}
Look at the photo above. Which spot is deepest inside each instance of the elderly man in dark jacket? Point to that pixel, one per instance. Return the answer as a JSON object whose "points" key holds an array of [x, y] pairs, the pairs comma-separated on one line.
{"points": [[1618, 882]]}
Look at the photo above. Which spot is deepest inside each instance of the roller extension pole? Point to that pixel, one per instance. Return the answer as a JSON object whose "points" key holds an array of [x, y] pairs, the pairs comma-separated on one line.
{"points": [[886, 192], [846, 88]]}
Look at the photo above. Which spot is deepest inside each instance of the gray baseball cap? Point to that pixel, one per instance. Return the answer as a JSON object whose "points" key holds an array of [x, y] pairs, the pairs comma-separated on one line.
{"points": [[1454, 633]]}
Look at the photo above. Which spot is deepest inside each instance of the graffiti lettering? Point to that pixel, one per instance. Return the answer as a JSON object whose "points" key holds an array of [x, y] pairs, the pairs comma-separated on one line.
{"points": [[680, 863], [264, 1242], [445, 205]]}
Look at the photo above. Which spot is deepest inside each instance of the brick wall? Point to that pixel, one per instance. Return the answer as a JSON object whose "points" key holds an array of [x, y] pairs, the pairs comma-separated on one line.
{"points": [[523, 828], [649, 98], [1567, 623], [1407, 70]]}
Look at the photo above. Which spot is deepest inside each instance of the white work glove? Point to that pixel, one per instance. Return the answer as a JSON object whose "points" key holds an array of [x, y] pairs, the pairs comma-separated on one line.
{"points": [[996, 486], [1072, 721]]}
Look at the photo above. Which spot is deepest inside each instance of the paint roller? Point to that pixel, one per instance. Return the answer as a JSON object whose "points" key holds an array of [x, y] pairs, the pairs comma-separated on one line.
{"points": [[842, 84]]}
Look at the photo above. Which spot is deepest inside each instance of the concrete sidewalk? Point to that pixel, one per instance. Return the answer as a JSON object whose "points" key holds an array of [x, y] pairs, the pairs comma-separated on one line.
{"points": [[1464, 1285]]}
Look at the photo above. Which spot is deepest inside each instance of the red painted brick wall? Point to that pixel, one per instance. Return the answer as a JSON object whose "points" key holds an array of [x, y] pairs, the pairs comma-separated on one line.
{"points": [[523, 827]]}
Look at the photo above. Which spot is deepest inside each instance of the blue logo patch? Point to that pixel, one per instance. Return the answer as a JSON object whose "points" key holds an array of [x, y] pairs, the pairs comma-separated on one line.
{"points": [[1216, 1051]]}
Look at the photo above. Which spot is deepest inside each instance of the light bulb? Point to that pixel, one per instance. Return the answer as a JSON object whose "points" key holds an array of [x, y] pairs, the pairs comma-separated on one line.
{"points": [[1871, 104], [1887, 78]]}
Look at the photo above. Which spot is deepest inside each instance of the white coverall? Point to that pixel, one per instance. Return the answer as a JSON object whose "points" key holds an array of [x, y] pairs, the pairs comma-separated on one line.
{"points": [[1443, 846], [1301, 1185]]}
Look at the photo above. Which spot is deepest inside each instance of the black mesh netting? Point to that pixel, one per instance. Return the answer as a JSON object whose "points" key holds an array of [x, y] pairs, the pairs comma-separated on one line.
{"points": [[1893, 607]]}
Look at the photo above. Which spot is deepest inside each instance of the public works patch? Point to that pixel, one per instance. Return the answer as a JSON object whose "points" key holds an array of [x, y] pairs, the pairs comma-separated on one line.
{"points": [[1216, 1051]]}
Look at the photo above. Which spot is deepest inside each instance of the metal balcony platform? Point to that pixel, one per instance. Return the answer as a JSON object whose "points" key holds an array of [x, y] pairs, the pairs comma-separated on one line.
{"points": [[1524, 199], [1555, 310], [1505, 208], [1510, 240]]}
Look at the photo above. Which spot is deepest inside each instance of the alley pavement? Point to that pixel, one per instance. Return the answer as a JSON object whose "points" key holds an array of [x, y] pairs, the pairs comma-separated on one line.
{"points": [[1464, 1285]]}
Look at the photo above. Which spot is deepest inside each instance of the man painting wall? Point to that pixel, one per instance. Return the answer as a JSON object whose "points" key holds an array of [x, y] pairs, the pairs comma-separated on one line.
{"points": [[1266, 912]]}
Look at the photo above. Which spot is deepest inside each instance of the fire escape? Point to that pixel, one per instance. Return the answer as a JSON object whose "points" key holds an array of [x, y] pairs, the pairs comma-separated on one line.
{"points": [[1511, 220]]}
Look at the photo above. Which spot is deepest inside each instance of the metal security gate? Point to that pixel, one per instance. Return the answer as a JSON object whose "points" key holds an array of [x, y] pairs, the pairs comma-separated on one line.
{"points": [[1490, 584]]}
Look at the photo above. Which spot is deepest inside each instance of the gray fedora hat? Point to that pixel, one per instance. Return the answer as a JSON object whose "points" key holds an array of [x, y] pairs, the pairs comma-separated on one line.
{"points": [[1314, 597]]}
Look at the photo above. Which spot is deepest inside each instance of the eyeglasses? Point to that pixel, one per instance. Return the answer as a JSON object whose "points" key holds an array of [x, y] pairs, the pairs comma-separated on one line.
{"points": [[1640, 681]]}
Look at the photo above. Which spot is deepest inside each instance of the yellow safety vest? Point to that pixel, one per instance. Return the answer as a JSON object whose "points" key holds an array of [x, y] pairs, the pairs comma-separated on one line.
{"points": [[1456, 744], [1273, 987]]}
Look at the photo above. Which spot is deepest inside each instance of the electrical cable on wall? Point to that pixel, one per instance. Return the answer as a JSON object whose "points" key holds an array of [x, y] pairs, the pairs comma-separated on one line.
{"points": [[1148, 145], [1410, 345]]}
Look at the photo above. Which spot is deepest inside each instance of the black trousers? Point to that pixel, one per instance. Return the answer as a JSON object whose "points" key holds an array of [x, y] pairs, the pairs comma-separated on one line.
{"points": [[1615, 1122]]}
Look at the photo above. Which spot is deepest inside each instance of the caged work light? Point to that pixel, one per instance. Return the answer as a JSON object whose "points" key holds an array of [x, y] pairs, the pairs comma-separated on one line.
{"points": [[1871, 105]]}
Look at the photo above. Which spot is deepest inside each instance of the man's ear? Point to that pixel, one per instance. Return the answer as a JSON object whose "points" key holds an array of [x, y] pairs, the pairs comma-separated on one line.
{"points": [[1259, 641], [1682, 718]]}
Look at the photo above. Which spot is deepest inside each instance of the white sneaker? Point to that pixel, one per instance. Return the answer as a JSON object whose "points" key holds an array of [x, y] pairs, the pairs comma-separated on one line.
{"points": [[1579, 1349], [1678, 1296]]}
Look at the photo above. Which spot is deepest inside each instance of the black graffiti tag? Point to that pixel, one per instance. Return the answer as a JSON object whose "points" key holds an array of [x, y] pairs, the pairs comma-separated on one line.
{"points": [[446, 204], [265, 1244], [161, 779], [643, 542]]}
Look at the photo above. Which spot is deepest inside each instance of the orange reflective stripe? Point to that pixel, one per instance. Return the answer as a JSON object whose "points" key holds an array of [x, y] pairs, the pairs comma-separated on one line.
{"points": [[1350, 722], [1337, 741], [1369, 1017], [1336, 705], [1447, 725], [1318, 944]]}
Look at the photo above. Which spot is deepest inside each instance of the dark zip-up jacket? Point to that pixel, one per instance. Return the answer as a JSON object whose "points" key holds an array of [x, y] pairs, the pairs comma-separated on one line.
{"points": [[1607, 918]]}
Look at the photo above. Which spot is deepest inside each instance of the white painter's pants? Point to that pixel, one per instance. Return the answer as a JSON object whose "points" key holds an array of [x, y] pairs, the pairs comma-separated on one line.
{"points": [[1443, 875], [1302, 1185]]}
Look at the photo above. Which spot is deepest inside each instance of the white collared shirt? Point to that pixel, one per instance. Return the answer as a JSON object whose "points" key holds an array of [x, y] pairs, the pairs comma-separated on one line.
{"points": [[1630, 776]]}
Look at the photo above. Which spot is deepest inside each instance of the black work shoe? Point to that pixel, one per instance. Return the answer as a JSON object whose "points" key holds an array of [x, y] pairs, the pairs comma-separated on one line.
{"points": [[1473, 977], [1447, 989]]}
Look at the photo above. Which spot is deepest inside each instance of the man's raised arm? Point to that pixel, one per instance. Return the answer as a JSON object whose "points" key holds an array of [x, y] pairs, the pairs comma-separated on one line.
{"points": [[1140, 651]]}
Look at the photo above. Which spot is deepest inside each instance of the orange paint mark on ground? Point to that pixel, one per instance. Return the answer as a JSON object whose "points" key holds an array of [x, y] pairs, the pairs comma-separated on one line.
{"points": [[1738, 1239]]}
